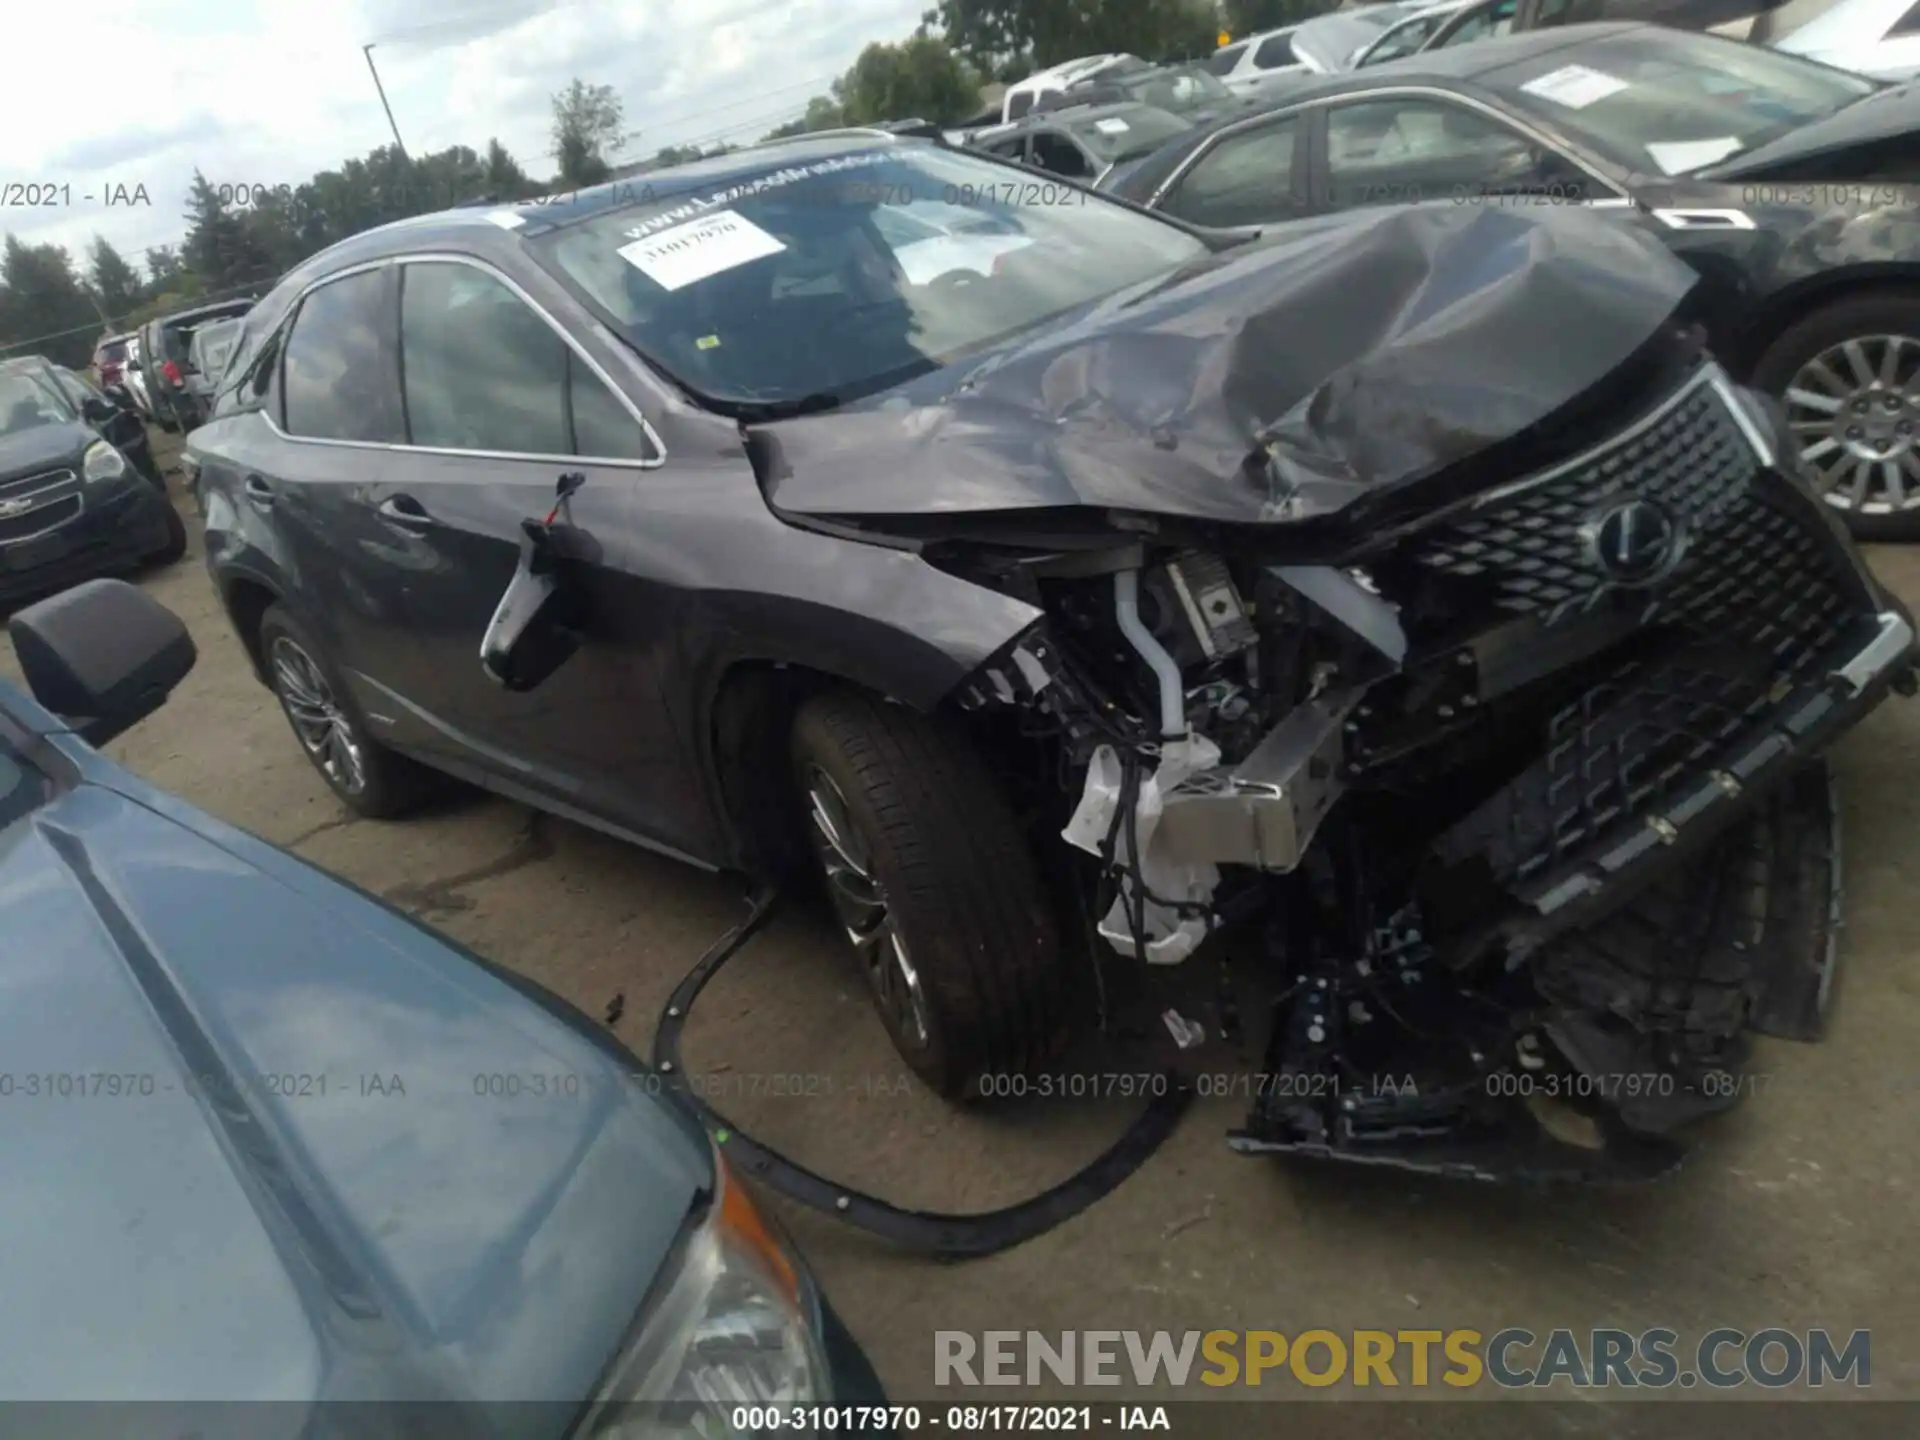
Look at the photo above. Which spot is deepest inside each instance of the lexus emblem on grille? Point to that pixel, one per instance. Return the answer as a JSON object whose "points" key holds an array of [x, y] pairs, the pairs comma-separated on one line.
{"points": [[1634, 543], [11, 508]]}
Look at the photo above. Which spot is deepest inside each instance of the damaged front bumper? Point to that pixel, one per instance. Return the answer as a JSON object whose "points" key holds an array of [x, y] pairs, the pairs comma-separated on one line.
{"points": [[1547, 839]]}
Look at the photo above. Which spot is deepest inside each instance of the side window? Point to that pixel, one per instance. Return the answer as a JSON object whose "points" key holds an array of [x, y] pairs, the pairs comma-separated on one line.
{"points": [[482, 371], [1223, 61], [1388, 152], [1482, 24], [1054, 151], [337, 381], [1015, 149], [1244, 180], [1274, 51], [1404, 39], [1019, 103]]}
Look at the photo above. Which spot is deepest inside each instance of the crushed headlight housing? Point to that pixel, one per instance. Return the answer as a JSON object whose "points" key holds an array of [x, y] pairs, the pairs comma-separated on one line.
{"points": [[732, 1328], [102, 462]]}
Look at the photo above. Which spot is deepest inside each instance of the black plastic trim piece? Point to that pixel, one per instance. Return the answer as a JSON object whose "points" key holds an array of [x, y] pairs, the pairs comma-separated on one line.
{"points": [[952, 1237]]}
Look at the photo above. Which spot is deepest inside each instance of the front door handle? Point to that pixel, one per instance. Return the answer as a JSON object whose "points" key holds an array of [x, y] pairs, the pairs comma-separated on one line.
{"points": [[406, 512], [259, 492]]}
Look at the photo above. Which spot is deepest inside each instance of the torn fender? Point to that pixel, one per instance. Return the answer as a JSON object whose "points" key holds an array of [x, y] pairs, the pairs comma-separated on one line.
{"points": [[1330, 361]]}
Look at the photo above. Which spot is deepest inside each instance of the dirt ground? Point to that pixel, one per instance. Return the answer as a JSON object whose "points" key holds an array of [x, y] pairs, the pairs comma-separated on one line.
{"points": [[1797, 1210]]}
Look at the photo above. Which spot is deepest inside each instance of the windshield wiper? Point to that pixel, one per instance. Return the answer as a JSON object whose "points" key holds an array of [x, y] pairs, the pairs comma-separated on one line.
{"points": [[755, 412]]}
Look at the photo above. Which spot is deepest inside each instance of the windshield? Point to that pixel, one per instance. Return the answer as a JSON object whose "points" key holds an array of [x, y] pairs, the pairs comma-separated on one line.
{"points": [[212, 344], [844, 276], [1136, 132], [1179, 88], [1671, 103], [1329, 43], [26, 404], [112, 353]]}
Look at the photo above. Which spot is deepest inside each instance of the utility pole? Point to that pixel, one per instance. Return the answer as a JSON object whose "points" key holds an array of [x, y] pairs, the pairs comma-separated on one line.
{"points": [[367, 50]]}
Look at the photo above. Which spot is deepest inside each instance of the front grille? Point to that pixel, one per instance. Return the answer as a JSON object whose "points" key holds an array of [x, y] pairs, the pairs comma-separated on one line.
{"points": [[1525, 545], [28, 484], [46, 517], [1761, 604]]}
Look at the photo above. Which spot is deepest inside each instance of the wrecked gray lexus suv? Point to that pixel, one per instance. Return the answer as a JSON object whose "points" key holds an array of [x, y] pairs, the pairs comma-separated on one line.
{"points": [[1404, 595]]}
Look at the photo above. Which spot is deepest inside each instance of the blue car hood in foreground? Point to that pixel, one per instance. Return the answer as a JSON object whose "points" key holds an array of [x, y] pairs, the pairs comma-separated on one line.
{"points": [[262, 1138]]}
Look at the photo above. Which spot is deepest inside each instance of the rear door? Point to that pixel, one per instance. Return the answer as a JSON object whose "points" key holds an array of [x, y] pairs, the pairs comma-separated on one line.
{"points": [[335, 411], [499, 406]]}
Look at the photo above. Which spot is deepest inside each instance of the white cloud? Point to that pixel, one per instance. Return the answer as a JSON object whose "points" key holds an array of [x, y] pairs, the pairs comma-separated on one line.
{"points": [[269, 91]]}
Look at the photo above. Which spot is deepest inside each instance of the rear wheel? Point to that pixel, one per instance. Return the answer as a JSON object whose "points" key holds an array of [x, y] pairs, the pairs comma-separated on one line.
{"points": [[1849, 376], [935, 888], [370, 779]]}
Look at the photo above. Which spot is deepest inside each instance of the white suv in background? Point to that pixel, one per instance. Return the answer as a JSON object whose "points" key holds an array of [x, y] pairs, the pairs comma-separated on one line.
{"points": [[1247, 65], [1021, 96]]}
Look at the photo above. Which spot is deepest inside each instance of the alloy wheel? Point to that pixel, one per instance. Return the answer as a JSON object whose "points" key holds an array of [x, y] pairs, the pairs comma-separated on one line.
{"points": [[861, 905], [1855, 408], [317, 717]]}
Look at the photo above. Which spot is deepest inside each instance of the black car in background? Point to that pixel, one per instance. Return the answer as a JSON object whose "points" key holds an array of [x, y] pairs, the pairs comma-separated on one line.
{"points": [[1787, 185], [73, 504], [715, 519], [328, 1162], [167, 358], [117, 420]]}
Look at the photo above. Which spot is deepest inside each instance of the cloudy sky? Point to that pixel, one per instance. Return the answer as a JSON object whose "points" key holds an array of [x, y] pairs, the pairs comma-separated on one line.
{"points": [[269, 91]]}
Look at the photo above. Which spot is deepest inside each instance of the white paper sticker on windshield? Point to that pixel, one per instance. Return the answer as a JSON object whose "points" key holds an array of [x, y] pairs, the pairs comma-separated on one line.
{"points": [[1575, 86], [687, 253], [1677, 157], [1112, 125]]}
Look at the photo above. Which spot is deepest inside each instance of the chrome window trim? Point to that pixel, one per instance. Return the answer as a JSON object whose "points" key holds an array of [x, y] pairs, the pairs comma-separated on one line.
{"points": [[1616, 197], [443, 257], [1682, 218]]}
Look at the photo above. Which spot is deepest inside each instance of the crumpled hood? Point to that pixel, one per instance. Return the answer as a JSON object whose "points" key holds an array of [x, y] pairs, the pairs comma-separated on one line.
{"points": [[1328, 361], [267, 1140]]}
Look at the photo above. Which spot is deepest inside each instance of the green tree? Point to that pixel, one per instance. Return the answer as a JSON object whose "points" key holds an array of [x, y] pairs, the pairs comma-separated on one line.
{"points": [[219, 247], [505, 178], [823, 113], [587, 132], [1241, 18], [115, 283], [1008, 37], [43, 308], [920, 78], [163, 268]]}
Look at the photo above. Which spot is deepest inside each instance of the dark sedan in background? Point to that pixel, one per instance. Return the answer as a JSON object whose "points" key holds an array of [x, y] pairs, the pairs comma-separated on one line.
{"points": [[1787, 185], [276, 1142], [73, 504]]}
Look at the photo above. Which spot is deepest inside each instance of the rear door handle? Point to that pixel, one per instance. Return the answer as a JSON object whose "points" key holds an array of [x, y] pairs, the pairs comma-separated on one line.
{"points": [[406, 512], [259, 492]]}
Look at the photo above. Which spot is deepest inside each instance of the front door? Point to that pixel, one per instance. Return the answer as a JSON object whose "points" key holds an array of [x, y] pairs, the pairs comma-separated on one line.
{"points": [[499, 406]]}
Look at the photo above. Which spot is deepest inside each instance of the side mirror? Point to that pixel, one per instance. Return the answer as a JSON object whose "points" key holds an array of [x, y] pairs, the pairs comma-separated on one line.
{"points": [[102, 656], [538, 623]]}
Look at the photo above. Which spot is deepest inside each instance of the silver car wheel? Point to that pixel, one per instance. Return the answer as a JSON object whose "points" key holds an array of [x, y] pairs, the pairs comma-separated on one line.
{"points": [[316, 716], [861, 905], [1856, 413]]}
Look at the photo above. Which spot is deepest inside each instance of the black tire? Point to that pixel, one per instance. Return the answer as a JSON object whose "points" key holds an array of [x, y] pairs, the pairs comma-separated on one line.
{"points": [[388, 785], [176, 545], [1882, 312], [957, 881]]}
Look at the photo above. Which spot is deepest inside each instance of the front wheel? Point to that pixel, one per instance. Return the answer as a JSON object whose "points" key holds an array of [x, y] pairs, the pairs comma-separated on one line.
{"points": [[935, 888], [1849, 377]]}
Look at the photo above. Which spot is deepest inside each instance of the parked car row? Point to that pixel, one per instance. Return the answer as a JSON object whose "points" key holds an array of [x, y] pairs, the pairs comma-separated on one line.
{"points": [[164, 370], [1784, 182]]}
